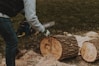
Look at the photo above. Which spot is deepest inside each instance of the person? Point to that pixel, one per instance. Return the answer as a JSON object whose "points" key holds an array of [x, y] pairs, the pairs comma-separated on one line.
{"points": [[8, 9]]}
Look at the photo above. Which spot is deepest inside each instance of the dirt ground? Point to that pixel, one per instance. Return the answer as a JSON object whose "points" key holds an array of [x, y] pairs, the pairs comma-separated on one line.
{"points": [[38, 60], [80, 62]]}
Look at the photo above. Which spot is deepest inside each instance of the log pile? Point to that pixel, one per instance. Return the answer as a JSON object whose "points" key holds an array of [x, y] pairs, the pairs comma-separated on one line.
{"points": [[60, 46]]}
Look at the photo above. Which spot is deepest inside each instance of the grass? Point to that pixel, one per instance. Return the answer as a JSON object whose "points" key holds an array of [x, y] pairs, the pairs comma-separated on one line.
{"points": [[70, 15]]}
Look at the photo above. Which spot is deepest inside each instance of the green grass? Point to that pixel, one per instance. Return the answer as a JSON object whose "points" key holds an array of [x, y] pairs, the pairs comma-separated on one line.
{"points": [[70, 15]]}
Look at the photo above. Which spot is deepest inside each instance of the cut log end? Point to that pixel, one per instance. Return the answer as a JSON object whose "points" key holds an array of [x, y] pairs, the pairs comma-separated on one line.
{"points": [[89, 52], [51, 46]]}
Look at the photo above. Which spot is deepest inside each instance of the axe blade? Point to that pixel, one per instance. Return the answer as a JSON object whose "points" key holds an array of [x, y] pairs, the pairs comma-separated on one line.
{"points": [[49, 24], [46, 25]]}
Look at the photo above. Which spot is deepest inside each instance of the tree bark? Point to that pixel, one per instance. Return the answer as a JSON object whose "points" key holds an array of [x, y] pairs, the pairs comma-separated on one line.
{"points": [[59, 46]]}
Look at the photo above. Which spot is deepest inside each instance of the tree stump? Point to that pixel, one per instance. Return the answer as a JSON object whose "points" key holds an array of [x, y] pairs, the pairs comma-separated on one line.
{"points": [[59, 46], [90, 50]]}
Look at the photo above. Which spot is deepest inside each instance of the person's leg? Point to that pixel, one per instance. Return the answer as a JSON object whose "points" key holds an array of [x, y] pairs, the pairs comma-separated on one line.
{"points": [[11, 40]]}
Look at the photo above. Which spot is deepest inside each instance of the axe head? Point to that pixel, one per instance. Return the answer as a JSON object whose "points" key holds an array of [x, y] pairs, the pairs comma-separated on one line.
{"points": [[49, 24]]}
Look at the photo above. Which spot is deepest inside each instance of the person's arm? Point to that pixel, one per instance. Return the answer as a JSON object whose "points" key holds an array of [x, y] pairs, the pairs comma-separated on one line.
{"points": [[30, 14]]}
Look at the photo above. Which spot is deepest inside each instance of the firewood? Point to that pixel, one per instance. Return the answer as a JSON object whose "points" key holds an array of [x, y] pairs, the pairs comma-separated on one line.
{"points": [[90, 50], [59, 46], [81, 39], [92, 34]]}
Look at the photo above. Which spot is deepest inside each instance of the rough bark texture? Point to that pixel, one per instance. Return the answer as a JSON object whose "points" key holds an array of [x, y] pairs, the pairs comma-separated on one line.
{"points": [[68, 44]]}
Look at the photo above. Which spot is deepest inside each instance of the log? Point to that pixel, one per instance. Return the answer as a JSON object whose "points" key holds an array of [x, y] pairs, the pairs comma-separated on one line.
{"points": [[90, 50], [59, 46]]}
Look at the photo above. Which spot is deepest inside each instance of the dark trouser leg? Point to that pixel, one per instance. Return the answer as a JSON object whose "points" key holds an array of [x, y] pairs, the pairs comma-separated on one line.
{"points": [[11, 40]]}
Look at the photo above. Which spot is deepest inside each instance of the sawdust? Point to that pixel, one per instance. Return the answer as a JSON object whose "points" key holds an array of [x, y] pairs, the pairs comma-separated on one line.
{"points": [[33, 59]]}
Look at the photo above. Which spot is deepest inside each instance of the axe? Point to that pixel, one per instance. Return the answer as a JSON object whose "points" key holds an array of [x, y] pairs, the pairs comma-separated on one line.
{"points": [[46, 25]]}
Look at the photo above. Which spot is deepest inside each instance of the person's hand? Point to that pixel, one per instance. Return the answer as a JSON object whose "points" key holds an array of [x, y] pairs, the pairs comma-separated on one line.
{"points": [[46, 32]]}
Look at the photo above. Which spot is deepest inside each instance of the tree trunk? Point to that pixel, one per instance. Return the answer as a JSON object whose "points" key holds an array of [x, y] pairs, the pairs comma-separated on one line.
{"points": [[90, 50], [59, 46]]}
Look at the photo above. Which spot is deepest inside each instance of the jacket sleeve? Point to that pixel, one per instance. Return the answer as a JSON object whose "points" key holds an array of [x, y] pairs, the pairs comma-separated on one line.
{"points": [[30, 14]]}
